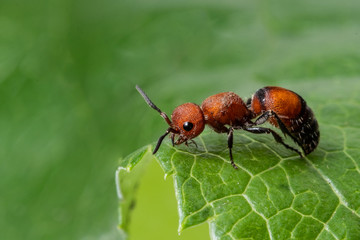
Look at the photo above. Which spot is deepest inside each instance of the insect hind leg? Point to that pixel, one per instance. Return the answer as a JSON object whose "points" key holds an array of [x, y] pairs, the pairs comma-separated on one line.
{"points": [[277, 137], [266, 115]]}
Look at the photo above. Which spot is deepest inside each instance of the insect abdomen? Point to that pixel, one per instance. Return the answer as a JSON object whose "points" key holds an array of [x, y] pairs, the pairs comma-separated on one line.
{"points": [[305, 130], [291, 109]]}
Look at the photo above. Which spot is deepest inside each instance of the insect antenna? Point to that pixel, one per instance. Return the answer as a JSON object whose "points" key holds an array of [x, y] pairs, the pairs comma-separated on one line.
{"points": [[152, 105]]}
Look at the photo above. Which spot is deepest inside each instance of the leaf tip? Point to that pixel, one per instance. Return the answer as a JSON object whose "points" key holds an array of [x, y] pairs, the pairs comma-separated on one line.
{"points": [[117, 182]]}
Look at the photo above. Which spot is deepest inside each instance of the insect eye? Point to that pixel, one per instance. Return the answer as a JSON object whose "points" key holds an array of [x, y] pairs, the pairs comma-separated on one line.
{"points": [[188, 126]]}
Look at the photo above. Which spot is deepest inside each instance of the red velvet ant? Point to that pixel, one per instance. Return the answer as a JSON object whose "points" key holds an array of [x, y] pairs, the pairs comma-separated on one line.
{"points": [[225, 112]]}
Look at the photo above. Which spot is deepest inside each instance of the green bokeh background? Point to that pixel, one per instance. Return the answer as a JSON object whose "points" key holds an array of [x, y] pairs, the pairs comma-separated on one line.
{"points": [[69, 109]]}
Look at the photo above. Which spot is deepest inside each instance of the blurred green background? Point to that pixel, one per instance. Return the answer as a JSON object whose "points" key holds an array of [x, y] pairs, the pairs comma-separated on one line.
{"points": [[69, 109]]}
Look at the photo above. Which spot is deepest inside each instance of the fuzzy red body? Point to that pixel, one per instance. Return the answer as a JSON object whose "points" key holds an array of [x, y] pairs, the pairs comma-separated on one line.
{"points": [[225, 109]]}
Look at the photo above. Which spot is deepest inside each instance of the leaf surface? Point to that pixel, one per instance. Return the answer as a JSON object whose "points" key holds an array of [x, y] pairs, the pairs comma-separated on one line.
{"points": [[274, 194]]}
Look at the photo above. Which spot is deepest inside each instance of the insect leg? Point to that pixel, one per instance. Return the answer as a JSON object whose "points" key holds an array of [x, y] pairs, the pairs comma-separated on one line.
{"points": [[266, 115], [191, 141], [161, 139], [230, 145], [277, 137]]}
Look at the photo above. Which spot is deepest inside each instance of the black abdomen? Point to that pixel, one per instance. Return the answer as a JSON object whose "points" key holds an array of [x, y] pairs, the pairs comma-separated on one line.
{"points": [[305, 130]]}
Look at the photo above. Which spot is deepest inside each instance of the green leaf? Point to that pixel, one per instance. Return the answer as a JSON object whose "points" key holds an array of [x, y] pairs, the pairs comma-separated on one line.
{"points": [[274, 194], [129, 185]]}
